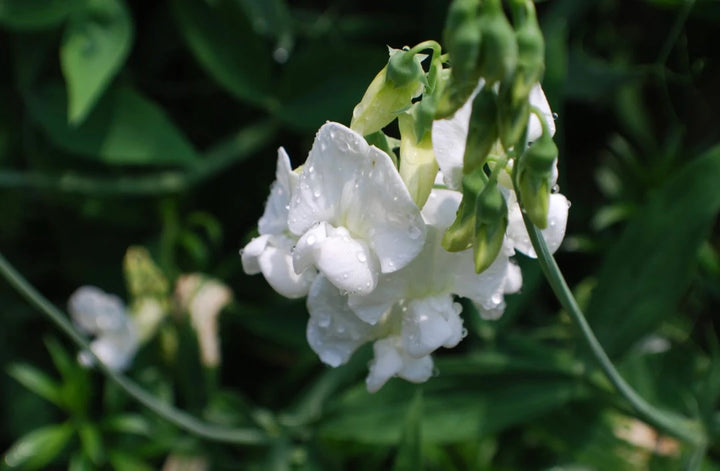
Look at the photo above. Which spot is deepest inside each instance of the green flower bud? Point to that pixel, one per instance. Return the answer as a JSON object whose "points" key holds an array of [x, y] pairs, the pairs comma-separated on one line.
{"points": [[531, 52], [384, 100], [404, 69], [499, 49], [535, 169], [491, 220], [513, 115], [461, 233], [418, 166], [462, 38], [482, 130]]}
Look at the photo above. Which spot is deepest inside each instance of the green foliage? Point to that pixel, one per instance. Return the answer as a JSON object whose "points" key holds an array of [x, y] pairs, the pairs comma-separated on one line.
{"points": [[95, 44], [157, 124]]}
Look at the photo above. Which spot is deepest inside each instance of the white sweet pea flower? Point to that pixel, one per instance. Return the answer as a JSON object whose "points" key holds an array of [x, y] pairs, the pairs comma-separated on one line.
{"points": [[412, 312], [271, 252], [352, 213], [449, 135], [553, 234], [104, 316]]}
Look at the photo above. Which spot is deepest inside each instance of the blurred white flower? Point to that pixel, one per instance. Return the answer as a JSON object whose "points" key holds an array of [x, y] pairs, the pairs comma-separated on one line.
{"points": [[104, 316], [270, 252], [203, 298], [353, 215]]}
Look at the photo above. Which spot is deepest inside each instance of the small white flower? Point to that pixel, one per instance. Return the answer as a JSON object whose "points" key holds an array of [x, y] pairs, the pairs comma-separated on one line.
{"points": [[271, 252], [352, 213], [104, 316]]}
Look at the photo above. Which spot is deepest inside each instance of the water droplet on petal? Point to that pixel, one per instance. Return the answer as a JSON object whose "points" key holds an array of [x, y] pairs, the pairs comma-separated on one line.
{"points": [[361, 257], [311, 240], [464, 333], [555, 189], [316, 193], [311, 169]]}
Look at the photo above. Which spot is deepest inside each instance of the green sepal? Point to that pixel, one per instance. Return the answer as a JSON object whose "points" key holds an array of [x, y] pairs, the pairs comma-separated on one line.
{"points": [[482, 130], [491, 221], [403, 69], [535, 168], [499, 49], [513, 116], [459, 236]]}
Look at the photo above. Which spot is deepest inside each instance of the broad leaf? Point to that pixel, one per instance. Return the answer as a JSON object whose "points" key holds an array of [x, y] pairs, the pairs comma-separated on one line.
{"points": [[125, 128], [94, 47], [647, 272], [224, 44], [38, 382]]}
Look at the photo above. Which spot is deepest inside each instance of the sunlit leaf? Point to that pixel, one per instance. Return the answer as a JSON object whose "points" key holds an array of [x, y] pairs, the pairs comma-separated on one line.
{"points": [[94, 47], [39, 447]]}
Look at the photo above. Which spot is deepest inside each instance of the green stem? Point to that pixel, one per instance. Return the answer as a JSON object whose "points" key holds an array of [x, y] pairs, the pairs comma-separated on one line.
{"points": [[232, 150], [685, 429], [183, 420]]}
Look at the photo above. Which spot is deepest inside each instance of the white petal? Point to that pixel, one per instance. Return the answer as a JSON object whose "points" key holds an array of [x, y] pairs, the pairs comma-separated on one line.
{"points": [[441, 208], [350, 184], [333, 331], [430, 323], [95, 311], [348, 263], [386, 363], [307, 247], [449, 136], [538, 100], [274, 219], [277, 268], [390, 360], [116, 350], [251, 252], [390, 289], [553, 234]]}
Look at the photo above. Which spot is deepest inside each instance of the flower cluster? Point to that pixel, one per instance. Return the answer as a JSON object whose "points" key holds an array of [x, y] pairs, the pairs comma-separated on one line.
{"points": [[344, 230]]}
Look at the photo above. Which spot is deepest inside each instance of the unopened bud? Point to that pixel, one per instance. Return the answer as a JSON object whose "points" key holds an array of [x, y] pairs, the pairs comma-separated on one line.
{"points": [[387, 96], [491, 220], [461, 233], [531, 52], [535, 173], [418, 166], [513, 116], [462, 39], [499, 49], [482, 130]]}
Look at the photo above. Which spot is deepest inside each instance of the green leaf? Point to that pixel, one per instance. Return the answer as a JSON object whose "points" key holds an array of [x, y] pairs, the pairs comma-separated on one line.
{"points": [[125, 128], [646, 273], [455, 407], [224, 44], [80, 462], [410, 456], [30, 15], [39, 447], [94, 47], [91, 442], [37, 382], [128, 424], [127, 462]]}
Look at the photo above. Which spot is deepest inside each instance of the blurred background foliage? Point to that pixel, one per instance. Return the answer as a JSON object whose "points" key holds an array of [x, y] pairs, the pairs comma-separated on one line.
{"points": [[125, 123]]}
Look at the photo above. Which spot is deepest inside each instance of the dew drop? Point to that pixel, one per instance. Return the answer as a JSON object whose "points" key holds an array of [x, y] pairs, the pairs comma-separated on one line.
{"points": [[311, 169], [569, 204], [345, 276], [311, 240], [316, 193], [361, 257], [414, 232], [496, 298], [464, 333], [324, 322], [555, 116], [555, 189]]}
